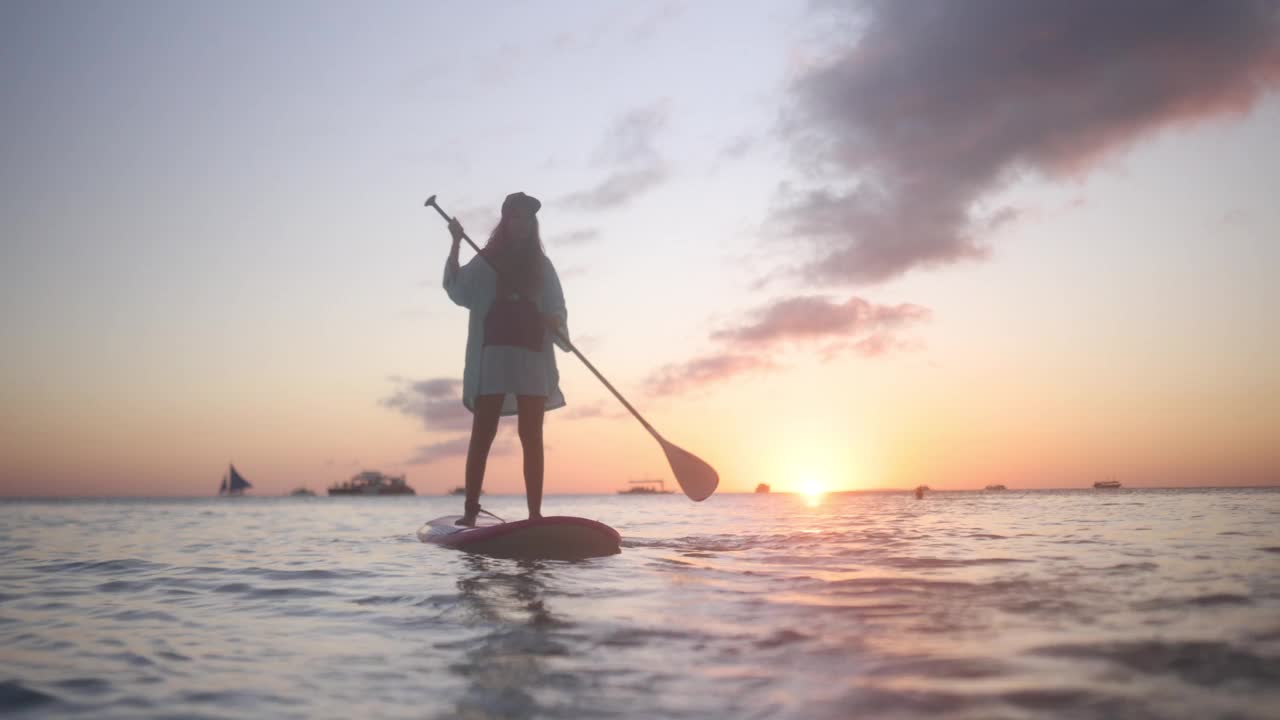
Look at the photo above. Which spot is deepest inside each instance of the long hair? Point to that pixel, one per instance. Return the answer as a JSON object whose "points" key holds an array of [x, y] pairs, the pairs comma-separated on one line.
{"points": [[517, 260]]}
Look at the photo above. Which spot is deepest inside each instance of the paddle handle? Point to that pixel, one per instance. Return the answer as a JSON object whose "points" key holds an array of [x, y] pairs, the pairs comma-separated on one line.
{"points": [[613, 390], [431, 202]]}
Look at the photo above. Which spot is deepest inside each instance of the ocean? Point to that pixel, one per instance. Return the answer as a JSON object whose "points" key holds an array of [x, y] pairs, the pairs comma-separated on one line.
{"points": [[1019, 604]]}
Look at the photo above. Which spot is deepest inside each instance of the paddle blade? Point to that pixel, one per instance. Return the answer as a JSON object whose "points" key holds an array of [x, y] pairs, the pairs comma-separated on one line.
{"points": [[697, 479]]}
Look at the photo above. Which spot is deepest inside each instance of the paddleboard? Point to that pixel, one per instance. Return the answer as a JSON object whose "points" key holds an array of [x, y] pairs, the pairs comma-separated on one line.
{"points": [[557, 537]]}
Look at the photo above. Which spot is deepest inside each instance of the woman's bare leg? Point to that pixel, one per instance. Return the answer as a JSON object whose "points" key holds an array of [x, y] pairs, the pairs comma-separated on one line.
{"points": [[484, 426], [532, 408]]}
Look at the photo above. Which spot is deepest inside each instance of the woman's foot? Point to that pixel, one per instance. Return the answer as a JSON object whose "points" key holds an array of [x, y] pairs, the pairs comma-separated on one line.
{"points": [[469, 514]]}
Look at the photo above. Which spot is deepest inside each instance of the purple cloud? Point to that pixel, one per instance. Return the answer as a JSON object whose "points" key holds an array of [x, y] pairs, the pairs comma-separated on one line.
{"points": [[577, 237], [856, 325], [739, 147], [680, 377], [437, 402], [815, 317], [633, 161], [617, 188], [456, 447], [932, 107], [583, 412]]}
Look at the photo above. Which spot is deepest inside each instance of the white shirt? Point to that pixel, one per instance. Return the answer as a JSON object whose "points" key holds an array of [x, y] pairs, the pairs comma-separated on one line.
{"points": [[511, 371]]}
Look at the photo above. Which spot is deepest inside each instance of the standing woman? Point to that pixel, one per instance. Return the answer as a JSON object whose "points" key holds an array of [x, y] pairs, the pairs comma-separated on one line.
{"points": [[517, 313]]}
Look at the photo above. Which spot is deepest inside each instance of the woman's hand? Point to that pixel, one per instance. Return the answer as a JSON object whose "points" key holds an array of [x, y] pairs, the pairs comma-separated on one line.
{"points": [[455, 229], [559, 333]]}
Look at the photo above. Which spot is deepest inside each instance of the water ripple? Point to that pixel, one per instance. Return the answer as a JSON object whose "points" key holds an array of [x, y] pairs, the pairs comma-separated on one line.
{"points": [[1147, 604]]}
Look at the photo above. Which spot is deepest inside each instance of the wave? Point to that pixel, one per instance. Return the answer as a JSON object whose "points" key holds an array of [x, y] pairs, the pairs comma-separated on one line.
{"points": [[1196, 601], [123, 565], [15, 696], [1209, 663], [253, 591]]}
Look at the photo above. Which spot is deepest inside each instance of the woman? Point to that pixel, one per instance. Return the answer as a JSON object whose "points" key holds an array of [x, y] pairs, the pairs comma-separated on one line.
{"points": [[517, 312]]}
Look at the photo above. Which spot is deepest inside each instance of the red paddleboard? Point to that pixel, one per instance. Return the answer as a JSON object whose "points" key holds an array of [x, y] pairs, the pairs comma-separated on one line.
{"points": [[550, 538]]}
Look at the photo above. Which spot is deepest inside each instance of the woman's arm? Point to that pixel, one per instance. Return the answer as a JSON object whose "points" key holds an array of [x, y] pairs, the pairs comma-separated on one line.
{"points": [[556, 314], [457, 282]]}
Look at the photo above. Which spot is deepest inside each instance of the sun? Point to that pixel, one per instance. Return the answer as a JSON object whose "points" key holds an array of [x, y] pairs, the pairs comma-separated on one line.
{"points": [[812, 489]]}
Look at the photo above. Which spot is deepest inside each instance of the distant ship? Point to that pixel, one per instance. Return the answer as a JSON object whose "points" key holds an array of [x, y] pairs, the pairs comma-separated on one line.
{"points": [[646, 487], [233, 483], [995, 487], [763, 488], [461, 490], [302, 492], [371, 482], [1107, 485]]}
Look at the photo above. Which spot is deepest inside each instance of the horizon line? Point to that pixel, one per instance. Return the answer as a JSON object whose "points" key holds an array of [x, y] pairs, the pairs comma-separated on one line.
{"points": [[1271, 485]]}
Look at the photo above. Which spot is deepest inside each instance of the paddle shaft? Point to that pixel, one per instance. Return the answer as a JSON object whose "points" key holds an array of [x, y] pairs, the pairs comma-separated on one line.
{"points": [[431, 202]]}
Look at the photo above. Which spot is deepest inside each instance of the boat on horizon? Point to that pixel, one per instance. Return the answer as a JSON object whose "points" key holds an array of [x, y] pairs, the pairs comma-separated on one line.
{"points": [[302, 492], [460, 490], [994, 487], [1107, 485], [372, 482], [646, 487], [763, 488], [233, 483]]}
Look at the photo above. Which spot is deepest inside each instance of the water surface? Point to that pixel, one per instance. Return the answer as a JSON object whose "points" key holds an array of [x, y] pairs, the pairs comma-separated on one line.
{"points": [[1131, 603]]}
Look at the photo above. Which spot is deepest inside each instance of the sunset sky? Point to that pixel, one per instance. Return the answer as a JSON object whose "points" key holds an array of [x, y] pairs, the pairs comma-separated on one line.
{"points": [[859, 245]]}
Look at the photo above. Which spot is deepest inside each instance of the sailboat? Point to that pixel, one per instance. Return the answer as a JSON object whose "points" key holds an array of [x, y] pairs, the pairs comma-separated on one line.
{"points": [[233, 483]]}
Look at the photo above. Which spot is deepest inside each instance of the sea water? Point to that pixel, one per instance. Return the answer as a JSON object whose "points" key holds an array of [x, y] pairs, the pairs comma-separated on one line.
{"points": [[1129, 603]]}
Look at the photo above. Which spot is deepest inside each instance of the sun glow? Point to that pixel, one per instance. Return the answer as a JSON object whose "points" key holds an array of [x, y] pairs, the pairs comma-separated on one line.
{"points": [[812, 490]]}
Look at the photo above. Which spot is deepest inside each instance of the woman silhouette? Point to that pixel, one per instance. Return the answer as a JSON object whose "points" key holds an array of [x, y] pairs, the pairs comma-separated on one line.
{"points": [[517, 313]]}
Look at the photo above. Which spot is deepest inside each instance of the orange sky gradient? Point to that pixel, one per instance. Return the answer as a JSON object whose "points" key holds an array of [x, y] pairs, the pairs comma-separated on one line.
{"points": [[803, 268]]}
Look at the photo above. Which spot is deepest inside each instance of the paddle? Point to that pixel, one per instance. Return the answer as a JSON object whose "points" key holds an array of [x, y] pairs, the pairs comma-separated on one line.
{"points": [[697, 479]]}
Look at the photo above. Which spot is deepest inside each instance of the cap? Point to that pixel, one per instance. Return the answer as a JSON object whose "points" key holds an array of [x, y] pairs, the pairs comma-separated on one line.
{"points": [[520, 201]]}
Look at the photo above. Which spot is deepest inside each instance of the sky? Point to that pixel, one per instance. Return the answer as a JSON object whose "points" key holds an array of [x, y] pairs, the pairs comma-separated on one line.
{"points": [[818, 244]]}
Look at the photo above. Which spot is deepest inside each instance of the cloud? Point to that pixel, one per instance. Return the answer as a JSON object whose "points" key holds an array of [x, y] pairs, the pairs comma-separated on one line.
{"points": [[931, 108], [655, 17], [616, 189], [635, 23], [573, 271], [456, 447], [855, 325], [630, 140], [815, 317], [437, 402], [578, 237], [739, 147], [875, 345], [594, 410], [631, 158], [680, 377], [582, 412]]}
